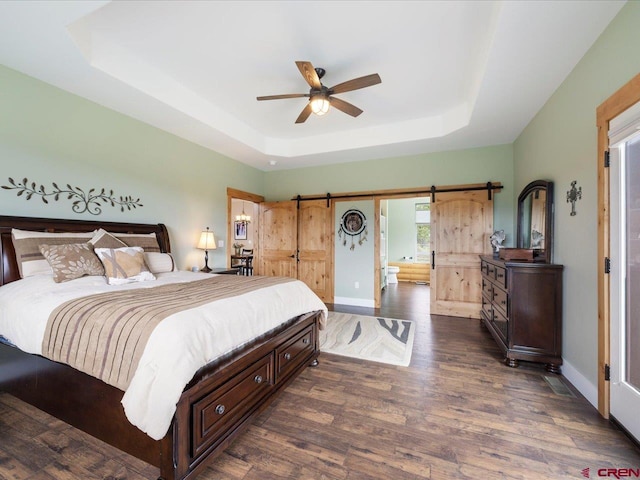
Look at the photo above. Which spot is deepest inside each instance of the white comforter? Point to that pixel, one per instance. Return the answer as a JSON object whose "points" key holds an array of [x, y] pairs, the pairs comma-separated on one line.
{"points": [[176, 349]]}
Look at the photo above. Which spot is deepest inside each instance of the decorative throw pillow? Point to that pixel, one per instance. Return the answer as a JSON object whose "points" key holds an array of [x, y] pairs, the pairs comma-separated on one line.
{"points": [[71, 261], [104, 239], [27, 246], [124, 265], [159, 262], [147, 241]]}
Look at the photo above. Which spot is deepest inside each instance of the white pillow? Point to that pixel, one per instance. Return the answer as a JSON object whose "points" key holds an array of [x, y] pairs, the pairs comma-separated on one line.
{"points": [[124, 265]]}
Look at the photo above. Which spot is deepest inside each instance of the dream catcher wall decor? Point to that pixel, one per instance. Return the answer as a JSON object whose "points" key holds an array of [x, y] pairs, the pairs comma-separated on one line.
{"points": [[352, 224]]}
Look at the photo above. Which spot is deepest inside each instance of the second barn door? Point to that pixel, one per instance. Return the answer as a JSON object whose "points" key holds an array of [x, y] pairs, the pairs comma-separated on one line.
{"points": [[296, 241], [461, 224]]}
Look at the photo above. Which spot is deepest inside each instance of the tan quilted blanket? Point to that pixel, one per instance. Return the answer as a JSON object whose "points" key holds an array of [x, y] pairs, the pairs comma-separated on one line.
{"points": [[104, 335]]}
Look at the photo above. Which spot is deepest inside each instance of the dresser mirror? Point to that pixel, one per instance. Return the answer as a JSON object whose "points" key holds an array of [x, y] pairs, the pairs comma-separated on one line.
{"points": [[535, 219]]}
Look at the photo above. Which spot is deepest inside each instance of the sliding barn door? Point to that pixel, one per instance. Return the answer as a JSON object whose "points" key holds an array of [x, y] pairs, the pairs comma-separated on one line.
{"points": [[297, 242], [315, 244], [461, 224]]}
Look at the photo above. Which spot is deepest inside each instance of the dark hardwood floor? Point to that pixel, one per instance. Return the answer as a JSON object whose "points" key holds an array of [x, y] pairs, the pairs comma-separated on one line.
{"points": [[457, 412]]}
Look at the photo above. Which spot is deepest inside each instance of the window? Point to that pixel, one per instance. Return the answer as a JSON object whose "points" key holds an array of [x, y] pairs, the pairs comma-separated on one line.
{"points": [[423, 232]]}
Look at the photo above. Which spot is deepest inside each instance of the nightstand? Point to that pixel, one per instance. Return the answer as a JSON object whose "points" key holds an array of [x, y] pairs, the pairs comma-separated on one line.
{"points": [[225, 271]]}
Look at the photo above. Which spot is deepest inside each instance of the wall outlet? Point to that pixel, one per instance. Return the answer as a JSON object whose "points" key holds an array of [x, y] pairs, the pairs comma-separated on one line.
{"points": [[357, 285], [220, 243]]}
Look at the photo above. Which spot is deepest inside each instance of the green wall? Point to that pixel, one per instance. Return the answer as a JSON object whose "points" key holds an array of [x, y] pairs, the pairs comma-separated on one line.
{"points": [[401, 228], [476, 165], [560, 144], [355, 265], [49, 135]]}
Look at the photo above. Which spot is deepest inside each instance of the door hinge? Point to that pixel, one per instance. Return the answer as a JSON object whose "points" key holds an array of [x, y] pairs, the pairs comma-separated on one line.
{"points": [[607, 372], [607, 265], [607, 159]]}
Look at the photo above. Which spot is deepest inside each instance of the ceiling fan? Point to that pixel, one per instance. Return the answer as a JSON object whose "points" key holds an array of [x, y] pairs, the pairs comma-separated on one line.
{"points": [[320, 97]]}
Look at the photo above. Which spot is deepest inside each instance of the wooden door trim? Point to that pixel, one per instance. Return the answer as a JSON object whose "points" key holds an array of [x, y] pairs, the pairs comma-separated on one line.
{"points": [[625, 97], [238, 195]]}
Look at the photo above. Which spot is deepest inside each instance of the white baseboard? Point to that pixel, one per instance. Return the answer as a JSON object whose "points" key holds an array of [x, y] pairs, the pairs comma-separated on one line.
{"points": [[355, 302], [584, 386]]}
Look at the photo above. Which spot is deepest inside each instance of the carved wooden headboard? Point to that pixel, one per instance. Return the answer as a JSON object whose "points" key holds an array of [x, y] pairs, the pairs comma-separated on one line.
{"points": [[9, 267]]}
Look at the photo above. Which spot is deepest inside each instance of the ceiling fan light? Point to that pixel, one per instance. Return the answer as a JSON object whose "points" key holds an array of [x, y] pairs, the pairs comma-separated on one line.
{"points": [[319, 104]]}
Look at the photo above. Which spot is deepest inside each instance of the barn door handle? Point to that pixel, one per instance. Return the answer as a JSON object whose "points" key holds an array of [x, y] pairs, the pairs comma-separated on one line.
{"points": [[433, 259]]}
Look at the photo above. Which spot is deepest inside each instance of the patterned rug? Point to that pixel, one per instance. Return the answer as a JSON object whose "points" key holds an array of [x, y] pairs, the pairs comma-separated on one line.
{"points": [[384, 340]]}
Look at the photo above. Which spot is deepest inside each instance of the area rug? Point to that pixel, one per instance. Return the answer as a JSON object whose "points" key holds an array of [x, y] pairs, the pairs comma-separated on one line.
{"points": [[384, 340]]}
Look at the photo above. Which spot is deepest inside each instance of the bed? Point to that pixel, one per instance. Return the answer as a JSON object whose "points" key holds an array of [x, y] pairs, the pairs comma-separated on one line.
{"points": [[215, 405]]}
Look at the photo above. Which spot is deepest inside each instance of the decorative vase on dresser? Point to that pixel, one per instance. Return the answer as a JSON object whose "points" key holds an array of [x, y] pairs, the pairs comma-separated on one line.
{"points": [[522, 308]]}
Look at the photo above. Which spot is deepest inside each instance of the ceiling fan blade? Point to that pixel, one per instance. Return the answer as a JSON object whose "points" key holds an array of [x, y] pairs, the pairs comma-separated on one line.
{"points": [[288, 95], [345, 107], [304, 114], [309, 74], [356, 83]]}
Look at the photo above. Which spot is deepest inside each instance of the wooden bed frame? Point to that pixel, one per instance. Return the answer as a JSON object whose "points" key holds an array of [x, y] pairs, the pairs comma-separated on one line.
{"points": [[216, 405]]}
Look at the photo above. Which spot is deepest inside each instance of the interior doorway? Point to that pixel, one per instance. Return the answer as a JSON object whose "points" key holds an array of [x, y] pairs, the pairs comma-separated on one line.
{"points": [[404, 298], [243, 222], [404, 253]]}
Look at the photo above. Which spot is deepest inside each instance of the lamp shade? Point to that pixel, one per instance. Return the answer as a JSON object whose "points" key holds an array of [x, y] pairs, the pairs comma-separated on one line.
{"points": [[207, 240]]}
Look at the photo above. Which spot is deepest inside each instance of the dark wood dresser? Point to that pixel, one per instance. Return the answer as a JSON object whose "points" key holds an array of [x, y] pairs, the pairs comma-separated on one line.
{"points": [[522, 308]]}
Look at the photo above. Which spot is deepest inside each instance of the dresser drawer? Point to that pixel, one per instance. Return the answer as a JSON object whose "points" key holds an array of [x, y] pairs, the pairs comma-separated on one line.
{"points": [[500, 300], [491, 271], [290, 354], [487, 288], [501, 276], [501, 323], [484, 267], [224, 405], [486, 307]]}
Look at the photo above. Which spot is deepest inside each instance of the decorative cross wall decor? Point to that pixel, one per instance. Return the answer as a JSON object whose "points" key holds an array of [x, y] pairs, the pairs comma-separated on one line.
{"points": [[573, 195], [90, 201]]}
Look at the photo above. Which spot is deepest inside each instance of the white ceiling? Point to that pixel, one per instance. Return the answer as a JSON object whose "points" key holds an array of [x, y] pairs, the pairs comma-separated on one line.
{"points": [[455, 74]]}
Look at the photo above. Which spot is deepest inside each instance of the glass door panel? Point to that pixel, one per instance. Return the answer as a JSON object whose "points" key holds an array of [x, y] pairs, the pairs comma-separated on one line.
{"points": [[632, 240]]}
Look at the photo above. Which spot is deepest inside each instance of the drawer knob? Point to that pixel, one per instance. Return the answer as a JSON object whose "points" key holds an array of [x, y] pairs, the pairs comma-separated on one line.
{"points": [[501, 275], [287, 356], [220, 409], [257, 379], [305, 340]]}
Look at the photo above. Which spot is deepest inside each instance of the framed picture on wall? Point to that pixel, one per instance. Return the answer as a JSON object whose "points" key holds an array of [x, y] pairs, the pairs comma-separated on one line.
{"points": [[240, 230]]}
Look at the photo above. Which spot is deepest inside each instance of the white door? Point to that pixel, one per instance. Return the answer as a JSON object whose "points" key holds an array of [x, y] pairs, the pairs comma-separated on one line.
{"points": [[624, 139]]}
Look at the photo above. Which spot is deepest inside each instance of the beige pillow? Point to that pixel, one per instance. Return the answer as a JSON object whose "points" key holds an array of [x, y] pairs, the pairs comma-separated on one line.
{"points": [[27, 246], [159, 262], [124, 265], [104, 239], [148, 242], [71, 261]]}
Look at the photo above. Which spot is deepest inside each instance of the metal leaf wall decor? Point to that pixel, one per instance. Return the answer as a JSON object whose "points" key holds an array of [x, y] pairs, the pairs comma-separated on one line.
{"points": [[91, 201]]}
